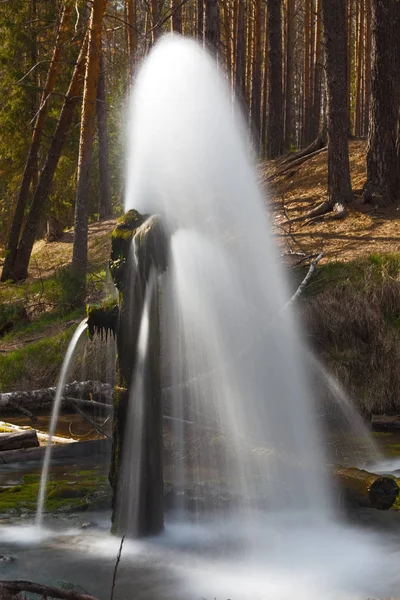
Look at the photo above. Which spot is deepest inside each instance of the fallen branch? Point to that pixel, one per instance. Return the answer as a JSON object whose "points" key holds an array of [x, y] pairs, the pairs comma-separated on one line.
{"points": [[305, 281], [12, 589], [98, 428], [325, 211], [116, 567]]}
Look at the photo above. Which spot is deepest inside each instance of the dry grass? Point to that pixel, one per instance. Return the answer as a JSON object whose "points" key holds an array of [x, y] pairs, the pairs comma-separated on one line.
{"points": [[354, 325]]}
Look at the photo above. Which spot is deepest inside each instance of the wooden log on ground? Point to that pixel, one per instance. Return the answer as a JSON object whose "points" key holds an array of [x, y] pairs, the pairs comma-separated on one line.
{"points": [[383, 423], [40, 399], [77, 450], [364, 488], [18, 440]]}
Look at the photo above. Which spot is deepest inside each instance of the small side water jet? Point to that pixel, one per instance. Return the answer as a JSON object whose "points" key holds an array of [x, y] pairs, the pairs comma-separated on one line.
{"points": [[54, 418]]}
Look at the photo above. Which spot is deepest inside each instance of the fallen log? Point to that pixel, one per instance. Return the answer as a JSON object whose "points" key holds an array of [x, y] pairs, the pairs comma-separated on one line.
{"points": [[364, 488], [383, 423], [91, 448], [18, 440], [42, 437], [12, 589], [43, 398]]}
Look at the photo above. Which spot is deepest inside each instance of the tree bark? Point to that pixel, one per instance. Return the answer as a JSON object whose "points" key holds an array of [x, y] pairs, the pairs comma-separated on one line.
{"points": [[131, 14], [318, 72], [31, 161], [176, 21], [104, 167], [240, 59], [339, 185], [18, 440], [275, 95], [289, 75], [80, 246], [381, 187], [256, 91], [211, 33], [42, 191]]}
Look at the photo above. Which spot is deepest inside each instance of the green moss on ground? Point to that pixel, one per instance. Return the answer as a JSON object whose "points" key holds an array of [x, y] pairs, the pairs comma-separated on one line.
{"points": [[82, 491]]}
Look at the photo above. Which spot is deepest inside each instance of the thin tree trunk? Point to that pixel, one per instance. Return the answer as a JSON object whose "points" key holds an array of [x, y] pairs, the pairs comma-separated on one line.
{"points": [[368, 65], [31, 162], [104, 167], [200, 19], [176, 21], [80, 247], [318, 72], [131, 14], [265, 87], [155, 19], [339, 185], [275, 94], [211, 34], [306, 124], [360, 55], [382, 160], [240, 75], [290, 31], [42, 191], [256, 91]]}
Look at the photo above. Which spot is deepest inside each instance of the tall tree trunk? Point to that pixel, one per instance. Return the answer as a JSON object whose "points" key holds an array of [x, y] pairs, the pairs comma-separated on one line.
{"points": [[104, 167], [256, 91], [211, 34], [382, 163], [307, 103], [131, 14], [360, 56], [275, 94], [339, 185], [228, 38], [240, 75], [42, 191], [290, 32], [367, 64], [318, 72], [31, 161], [176, 21], [80, 247], [155, 20], [200, 19]]}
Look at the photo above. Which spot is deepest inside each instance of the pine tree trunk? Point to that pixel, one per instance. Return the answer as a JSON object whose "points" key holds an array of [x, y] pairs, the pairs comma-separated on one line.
{"points": [[318, 72], [31, 162], [360, 55], [307, 104], [275, 94], [368, 65], [176, 21], [382, 160], [131, 14], [240, 75], [334, 20], [211, 35], [104, 167], [80, 247], [256, 91], [200, 19], [289, 74], [47, 174]]}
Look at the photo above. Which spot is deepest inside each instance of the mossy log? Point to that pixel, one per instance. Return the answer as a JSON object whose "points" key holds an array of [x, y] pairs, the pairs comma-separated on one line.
{"points": [[14, 590], [138, 245], [18, 440], [364, 488]]}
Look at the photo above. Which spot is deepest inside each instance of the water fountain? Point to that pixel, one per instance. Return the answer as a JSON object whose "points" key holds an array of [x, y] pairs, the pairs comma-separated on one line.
{"points": [[247, 447]]}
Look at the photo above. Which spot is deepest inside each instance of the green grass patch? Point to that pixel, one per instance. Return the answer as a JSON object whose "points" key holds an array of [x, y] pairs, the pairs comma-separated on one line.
{"points": [[34, 363], [81, 490]]}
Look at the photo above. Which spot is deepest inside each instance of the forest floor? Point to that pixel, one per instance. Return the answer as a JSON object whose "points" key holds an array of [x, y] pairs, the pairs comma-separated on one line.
{"points": [[297, 190], [31, 353]]}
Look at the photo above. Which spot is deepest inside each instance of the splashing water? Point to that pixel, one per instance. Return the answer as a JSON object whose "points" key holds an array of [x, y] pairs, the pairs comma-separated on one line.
{"points": [[234, 364], [242, 362], [54, 418]]}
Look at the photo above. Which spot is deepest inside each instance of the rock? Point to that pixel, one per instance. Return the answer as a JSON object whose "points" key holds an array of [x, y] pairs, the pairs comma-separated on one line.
{"points": [[89, 525], [6, 558]]}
